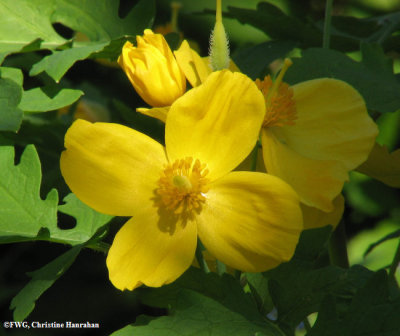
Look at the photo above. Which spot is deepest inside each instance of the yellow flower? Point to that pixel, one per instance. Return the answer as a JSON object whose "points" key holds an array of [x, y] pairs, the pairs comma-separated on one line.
{"points": [[250, 221], [152, 69], [196, 70], [313, 134]]}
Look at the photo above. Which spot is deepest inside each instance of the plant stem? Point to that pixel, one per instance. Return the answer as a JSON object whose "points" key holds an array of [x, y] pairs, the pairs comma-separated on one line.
{"points": [[338, 248], [200, 259], [221, 268], [99, 246], [395, 263], [327, 24]]}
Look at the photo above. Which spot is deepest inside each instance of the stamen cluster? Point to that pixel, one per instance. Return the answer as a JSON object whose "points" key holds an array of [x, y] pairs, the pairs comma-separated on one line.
{"points": [[280, 105], [183, 185]]}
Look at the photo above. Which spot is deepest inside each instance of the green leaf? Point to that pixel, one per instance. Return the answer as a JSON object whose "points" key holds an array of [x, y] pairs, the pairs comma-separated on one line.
{"points": [[225, 290], [254, 61], [88, 224], [25, 216], [26, 21], [57, 64], [373, 77], [202, 304], [42, 279], [12, 73], [277, 25], [374, 311], [100, 22], [48, 98], [258, 284], [88, 221], [346, 32], [10, 96], [196, 314], [41, 99], [22, 211], [295, 297], [386, 25], [392, 235]]}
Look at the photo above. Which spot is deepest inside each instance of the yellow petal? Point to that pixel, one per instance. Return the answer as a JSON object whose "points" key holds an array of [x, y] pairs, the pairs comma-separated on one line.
{"points": [[332, 123], [156, 112], [315, 218], [152, 69], [250, 221], [218, 122], [383, 166], [152, 248], [193, 66], [317, 182], [110, 167]]}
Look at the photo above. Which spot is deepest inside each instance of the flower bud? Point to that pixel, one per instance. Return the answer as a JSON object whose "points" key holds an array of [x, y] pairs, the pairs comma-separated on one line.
{"points": [[219, 43], [152, 69]]}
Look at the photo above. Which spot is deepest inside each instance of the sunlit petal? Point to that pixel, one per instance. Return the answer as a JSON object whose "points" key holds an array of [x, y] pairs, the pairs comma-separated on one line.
{"points": [[332, 123], [156, 112], [110, 167], [251, 221], [218, 122], [317, 182], [195, 68], [152, 248]]}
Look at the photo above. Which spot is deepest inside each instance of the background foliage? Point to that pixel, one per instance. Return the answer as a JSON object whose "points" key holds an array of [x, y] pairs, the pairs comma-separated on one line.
{"points": [[58, 60]]}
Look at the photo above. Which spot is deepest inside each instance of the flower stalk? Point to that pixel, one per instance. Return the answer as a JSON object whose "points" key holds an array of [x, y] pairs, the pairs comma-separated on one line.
{"points": [[338, 248], [327, 24]]}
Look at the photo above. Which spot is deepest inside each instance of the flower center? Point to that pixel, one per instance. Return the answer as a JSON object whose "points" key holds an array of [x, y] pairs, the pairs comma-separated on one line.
{"points": [[183, 185], [280, 105]]}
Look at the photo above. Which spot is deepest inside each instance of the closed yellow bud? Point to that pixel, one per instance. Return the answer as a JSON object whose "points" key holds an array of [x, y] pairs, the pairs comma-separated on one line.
{"points": [[152, 69]]}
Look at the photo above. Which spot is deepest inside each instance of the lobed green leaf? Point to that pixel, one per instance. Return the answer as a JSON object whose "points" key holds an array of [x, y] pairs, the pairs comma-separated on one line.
{"points": [[23, 213], [25, 216]]}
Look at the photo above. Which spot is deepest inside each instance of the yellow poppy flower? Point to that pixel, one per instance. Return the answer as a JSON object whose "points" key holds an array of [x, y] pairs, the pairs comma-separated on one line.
{"points": [[250, 221], [313, 134], [196, 70], [152, 69]]}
